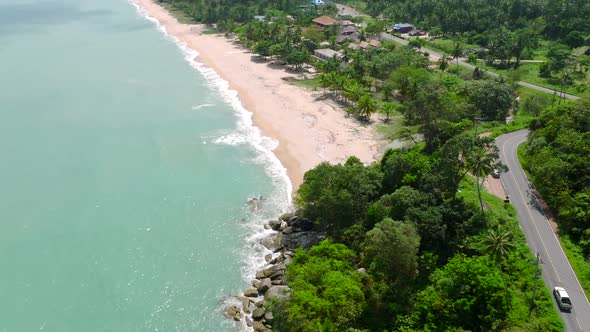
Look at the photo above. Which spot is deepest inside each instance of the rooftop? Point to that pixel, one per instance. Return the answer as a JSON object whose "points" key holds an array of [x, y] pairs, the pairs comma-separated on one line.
{"points": [[325, 20]]}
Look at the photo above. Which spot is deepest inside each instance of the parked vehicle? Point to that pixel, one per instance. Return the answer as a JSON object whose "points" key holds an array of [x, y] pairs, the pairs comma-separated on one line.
{"points": [[496, 174]]}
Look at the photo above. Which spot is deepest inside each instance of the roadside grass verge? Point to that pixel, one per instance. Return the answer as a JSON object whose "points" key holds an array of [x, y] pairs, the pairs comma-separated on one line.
{"points": [[521, 271], [578, 262]]}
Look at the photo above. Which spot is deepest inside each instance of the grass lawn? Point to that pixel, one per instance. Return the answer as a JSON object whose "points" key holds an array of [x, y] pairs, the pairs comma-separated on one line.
{"points": [[310, 84], [446, 46], [529, 72], [390, 130]]}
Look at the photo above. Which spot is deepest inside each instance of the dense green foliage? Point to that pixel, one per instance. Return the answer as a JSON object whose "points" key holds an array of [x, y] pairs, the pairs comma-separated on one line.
{"points": [[329, 289], [555, 18], [433, 261], [557, 154], [213, 11], [414, 242]]}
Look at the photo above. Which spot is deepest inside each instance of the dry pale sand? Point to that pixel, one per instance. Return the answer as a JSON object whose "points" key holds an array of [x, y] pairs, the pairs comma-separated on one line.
{"points": [[308, 130]]}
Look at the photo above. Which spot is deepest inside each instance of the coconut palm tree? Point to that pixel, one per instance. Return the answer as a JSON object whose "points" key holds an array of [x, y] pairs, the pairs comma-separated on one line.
{"points": [[353, 91], [388, 108], [481, 165], [366, 106], [498, 244], [443, 64]]}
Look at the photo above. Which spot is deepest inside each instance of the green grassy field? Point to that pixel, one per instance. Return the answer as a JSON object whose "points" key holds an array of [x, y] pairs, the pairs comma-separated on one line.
{"points": [[529, 72]]}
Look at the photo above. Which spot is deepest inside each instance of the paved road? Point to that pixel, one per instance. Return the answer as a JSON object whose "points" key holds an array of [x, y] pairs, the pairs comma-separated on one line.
{"points": [[539, 235], [437, 55]]}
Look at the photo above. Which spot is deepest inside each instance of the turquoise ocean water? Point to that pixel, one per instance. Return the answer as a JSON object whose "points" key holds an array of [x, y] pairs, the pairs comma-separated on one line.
{"points": [[124, 175]]}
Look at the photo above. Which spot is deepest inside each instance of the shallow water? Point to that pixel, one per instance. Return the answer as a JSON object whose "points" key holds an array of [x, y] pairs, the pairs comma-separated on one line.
{"points": [[124, 176]]}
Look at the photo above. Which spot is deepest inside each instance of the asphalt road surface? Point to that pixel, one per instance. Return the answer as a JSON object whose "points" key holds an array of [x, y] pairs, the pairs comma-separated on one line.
{"points": [[437, 55], [556, 270]]}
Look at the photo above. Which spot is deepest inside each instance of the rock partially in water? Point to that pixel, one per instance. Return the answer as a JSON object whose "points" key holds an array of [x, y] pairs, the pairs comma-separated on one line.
{"points": [[271, 242], [265, 284], [286, 216], [251, 292], [245, 303], [232, 311], [275, 224], [258, 313]]}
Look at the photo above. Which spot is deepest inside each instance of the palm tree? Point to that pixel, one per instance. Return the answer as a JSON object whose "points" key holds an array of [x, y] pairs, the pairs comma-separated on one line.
{"points": [[387, 88], [353, 90], [389, 108], [481, 164], [324, 81], [498, 244], [366, 106], [443, 64]]}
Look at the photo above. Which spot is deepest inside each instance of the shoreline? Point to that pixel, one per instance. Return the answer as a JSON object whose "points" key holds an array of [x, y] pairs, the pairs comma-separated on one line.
{"points": [[308, 131]]}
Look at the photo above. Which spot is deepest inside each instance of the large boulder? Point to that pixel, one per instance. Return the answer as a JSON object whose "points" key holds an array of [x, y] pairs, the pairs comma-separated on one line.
{"points": [[279, 281], [286, 216], [277, 274], [302, 224], [245, 304], [265, 284], [232, 311], [271, 242], [256, 283], [275, 224], [271, 269], [258, 313], [303, 240], [277, 292], [268, 316], [251, 292], [259, 327]]}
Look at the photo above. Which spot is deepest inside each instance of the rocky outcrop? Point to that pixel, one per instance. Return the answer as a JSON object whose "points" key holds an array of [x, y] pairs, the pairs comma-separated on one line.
{"points": [[271, 283]]}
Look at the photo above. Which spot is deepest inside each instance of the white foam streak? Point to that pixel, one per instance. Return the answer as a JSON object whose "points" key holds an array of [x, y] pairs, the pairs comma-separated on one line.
{"points": [[247, 133]]}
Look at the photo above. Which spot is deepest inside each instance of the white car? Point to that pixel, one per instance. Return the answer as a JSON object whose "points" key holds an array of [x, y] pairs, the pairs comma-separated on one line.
{"points": [[562, 298]]}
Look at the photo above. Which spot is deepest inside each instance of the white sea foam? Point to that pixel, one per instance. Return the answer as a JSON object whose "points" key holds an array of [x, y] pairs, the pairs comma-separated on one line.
{"points": [[198, 107], [280, 199]]}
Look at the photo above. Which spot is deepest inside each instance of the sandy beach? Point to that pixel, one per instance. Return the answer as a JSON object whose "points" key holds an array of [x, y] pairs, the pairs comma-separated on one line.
{"points": [[309, 131]]}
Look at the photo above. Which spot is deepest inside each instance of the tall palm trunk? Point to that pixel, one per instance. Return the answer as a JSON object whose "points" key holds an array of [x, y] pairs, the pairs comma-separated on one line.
{"points": [[479, 194]]}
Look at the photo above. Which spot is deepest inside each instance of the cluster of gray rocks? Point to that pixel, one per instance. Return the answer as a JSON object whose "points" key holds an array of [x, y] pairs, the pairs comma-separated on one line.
{"points": [[270, 283]]}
